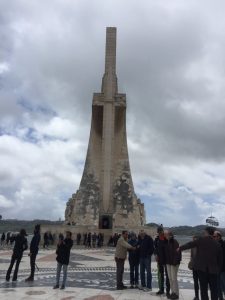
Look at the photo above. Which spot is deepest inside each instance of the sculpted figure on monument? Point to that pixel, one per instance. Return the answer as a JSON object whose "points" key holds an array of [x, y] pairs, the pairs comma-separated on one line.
{"points": [[122, 193], [69, 209]]}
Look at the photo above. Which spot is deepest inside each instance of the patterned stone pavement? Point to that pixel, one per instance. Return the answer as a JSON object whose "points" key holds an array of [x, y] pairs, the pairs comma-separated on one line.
{"points": [[91, 276]]}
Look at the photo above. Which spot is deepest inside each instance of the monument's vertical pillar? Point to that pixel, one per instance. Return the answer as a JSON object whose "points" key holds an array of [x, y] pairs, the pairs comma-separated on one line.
{"points": [[106, 195], [109, 89]]}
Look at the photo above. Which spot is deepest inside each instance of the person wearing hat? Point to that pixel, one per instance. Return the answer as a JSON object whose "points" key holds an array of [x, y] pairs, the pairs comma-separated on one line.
{"points": [[20, 246], [34, 247]]}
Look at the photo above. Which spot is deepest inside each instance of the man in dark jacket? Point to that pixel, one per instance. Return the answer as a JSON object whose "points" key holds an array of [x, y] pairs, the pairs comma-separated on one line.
{"points": [[221, 287], [134, 261], [146, 249], [20, 246], [208, 262], [34, 247], [160, 256], [63, 256]]}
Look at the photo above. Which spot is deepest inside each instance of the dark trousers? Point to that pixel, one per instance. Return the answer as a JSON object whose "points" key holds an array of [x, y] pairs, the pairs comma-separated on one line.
{"points": [[13, 259], [206, 279], [196, 282], [219, 287], [222, 281], [32, 264], [119, 271], [134, 272], [145, 265], [162, 271]]}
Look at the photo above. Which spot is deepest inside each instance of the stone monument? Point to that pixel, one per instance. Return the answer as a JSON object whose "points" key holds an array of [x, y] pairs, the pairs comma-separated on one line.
{"points": [[106, 197]]}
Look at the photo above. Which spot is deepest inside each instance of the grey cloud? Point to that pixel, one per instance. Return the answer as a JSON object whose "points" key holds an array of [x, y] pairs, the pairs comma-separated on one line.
{"points": [[170, 62]]}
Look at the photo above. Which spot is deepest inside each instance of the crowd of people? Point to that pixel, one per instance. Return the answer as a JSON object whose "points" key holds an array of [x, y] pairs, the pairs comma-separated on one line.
{"points": [[91, 240], [8, 238], [207, 259]]}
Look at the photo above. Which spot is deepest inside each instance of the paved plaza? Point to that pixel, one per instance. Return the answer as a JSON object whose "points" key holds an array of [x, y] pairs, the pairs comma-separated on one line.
{"points": [[91, 275]]}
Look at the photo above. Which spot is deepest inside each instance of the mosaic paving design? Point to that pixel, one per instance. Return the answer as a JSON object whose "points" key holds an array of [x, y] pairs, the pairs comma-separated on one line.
{"points": [[89, 269]]}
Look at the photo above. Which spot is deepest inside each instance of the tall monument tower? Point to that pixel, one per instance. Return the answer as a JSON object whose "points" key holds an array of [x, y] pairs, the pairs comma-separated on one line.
{"points": [[106, 197]]}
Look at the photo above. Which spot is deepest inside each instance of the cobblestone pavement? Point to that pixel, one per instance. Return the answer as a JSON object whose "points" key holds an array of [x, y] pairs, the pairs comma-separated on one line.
{"points": [[91, 275]]}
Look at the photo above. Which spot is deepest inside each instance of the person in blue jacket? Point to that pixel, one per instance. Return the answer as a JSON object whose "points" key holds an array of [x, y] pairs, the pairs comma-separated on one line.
{"points": [[34, 247], [146, 249], [134, 261]]}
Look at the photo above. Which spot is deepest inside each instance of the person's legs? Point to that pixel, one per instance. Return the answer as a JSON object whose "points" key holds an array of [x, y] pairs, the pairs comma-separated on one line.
{"points": [[64, 276], [131, 272], [167, 281], [10, 267], [175, 287], [119, 272], [16, 268], [136, 270], [168, 267], [32, 265], [161, 277], [196, 284], [219, 287], [213, 285], [58, 271], [142, 271], [203, 280], [149, 272], [222, 279]]}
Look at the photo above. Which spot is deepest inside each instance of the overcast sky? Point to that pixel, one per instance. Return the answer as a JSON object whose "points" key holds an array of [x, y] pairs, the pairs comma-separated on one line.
{"points": [[171, 65]]}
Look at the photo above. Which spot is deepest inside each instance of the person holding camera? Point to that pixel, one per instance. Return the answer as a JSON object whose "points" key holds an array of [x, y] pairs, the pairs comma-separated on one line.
{"points": [[63, 256]]}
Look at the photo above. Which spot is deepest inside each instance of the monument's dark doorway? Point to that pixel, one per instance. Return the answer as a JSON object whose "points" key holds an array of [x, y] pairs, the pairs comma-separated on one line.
{"points": [[105, 222]]}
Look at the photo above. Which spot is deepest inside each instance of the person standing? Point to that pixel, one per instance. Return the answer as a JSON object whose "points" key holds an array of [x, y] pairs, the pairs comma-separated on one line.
{"points": [[194, 271], [208, 262], [85, 239], [134, 261], [63, 256], [3, 238], [160, 257], [8, 237], [46, 240], [19, 247], [173, 259], [34, 247], [221, 277], [94, 238], [78, 238], [89, 240], [146, 249], [120, 257]]}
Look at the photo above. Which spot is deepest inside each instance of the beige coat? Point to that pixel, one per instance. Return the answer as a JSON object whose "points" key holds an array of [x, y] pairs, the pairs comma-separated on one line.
{"points": [[121, 248]]}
